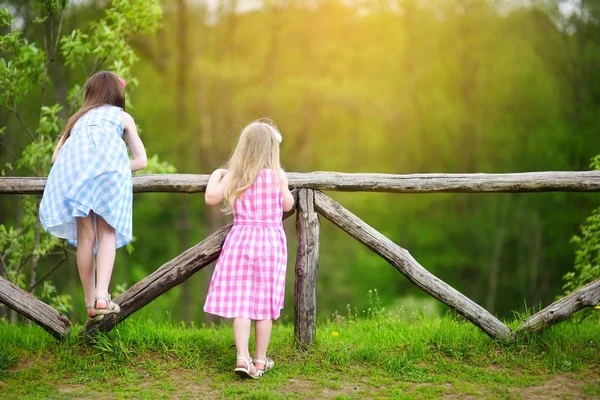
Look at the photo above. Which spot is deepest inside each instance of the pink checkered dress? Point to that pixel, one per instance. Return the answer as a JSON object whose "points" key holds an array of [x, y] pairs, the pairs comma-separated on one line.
{"points": [[249, 278]]}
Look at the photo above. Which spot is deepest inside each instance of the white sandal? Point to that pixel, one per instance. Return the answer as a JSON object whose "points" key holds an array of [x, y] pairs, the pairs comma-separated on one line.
{"points": [[96, 316], [111, 307], [244, 372], [267, 365]]}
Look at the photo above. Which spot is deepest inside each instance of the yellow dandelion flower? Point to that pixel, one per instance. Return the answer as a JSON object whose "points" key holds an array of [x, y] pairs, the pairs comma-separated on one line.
{"points": [[334, 334], [597, 307]]}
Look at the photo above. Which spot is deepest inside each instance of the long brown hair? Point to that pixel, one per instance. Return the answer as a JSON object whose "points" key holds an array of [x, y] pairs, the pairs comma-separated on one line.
{"points": [[101, 88]]}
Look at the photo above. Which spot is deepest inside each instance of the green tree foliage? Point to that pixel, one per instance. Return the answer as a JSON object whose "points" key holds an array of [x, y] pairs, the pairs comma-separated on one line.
{"points": [[587, 255], [29, 72]]}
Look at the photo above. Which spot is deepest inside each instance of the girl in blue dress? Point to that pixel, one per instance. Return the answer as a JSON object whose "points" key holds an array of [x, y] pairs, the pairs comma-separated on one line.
{"points": [[89, 192]]}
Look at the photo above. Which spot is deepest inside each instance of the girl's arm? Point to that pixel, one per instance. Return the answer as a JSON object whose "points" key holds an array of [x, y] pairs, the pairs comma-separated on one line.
{"points": [[59, 146], [288, 199], [215, 189], [140, 160]]}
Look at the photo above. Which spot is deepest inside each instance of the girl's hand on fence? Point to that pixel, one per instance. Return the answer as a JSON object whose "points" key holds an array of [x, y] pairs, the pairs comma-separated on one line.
{"points": [[288, 198], [284, 179], [215, 188]]}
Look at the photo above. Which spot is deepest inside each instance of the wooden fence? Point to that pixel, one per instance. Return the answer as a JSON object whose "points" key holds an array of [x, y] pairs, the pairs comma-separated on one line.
{"points": [[311, 202]]}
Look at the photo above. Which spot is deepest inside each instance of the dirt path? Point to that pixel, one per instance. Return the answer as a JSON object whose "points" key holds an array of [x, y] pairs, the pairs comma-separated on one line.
{"points": [[187, 384]]}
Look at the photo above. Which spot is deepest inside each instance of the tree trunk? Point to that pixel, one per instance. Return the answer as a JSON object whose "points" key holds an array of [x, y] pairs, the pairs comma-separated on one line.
{"points": [[35, 259], [183, 229], [497, 254], [14, 317], [181, 105], [494, 268], [536, 257]]}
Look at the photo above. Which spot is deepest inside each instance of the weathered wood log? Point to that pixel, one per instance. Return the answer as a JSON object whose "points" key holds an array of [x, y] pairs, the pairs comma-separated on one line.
{"points": [[307, 269], [166, 277], [175, 183], [409, 267], [34, 309], [585, 181], [560, 310], [567, 181]]}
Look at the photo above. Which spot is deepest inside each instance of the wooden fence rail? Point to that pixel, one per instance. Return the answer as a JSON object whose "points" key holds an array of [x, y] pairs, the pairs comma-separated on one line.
{"points": [[311, 202], [576, 181]]}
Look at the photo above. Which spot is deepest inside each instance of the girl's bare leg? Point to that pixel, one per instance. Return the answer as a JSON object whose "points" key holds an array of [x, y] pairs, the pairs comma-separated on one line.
{"points": [[263, 336], [241, 332], [105, 259], [86, 237]]}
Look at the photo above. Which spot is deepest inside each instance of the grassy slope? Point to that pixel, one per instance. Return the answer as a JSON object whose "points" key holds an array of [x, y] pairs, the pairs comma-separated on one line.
{"points": [[376, 356]]}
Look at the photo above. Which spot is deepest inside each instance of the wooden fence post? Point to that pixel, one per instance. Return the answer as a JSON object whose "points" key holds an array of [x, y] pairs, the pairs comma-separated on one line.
{"points": [[34, 309], [307, 269]]}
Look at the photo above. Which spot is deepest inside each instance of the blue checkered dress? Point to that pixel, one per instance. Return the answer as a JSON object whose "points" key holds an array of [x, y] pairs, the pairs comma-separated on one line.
{"points": [[92, 173]]}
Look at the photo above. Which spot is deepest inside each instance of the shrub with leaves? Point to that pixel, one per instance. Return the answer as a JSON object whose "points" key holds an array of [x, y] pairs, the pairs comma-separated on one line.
{"points": [[587, 255]]}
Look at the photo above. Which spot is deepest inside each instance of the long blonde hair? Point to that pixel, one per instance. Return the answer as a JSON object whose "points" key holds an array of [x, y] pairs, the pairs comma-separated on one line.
{"points": [[257, 148]]}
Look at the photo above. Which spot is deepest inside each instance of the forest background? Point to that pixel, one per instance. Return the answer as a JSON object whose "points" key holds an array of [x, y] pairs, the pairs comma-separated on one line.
{"points": [[394, 86]]}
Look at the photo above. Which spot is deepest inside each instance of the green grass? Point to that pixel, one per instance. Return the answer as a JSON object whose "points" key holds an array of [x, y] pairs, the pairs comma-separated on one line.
{"points": [[370, 356]]}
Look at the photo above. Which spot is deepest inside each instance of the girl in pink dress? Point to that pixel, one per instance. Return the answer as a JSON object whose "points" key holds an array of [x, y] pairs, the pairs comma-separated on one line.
{"points": [[248, 283]]}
